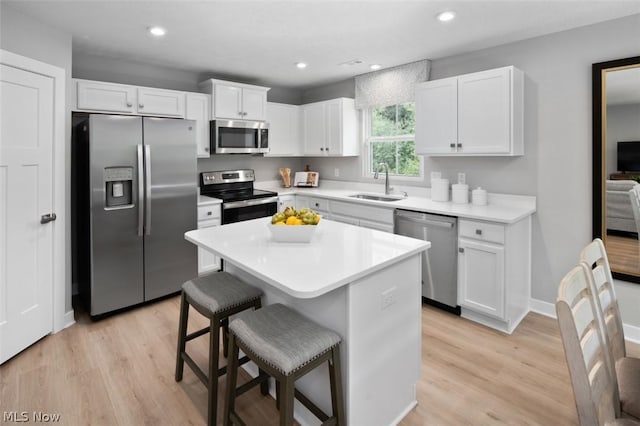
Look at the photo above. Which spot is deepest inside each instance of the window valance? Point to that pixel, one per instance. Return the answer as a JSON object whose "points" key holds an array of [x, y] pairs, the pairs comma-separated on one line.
{"points": [[390, 86]]}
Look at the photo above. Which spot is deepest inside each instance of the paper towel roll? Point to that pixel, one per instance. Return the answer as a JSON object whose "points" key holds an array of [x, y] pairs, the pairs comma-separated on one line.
{"points": [[479, 196], [460, 193], [440, 189]]}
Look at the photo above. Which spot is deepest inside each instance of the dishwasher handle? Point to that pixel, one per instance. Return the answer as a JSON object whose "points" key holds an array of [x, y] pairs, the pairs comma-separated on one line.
{"points": [[421, 218]]}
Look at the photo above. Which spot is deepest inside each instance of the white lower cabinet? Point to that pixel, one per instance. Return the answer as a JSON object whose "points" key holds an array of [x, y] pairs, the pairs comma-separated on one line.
{"points": [[358, 214], [285, 201], [481, 277], [494, 272], [208, 215]]}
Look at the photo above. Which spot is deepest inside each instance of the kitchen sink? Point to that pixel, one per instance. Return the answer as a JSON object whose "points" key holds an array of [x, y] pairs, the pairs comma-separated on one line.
{"points": [[376, 197]]}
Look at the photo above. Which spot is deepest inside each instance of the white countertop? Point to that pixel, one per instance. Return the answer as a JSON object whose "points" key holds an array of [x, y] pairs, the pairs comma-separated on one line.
{"points": [[204, 200], [503, 208], [337, 255]]}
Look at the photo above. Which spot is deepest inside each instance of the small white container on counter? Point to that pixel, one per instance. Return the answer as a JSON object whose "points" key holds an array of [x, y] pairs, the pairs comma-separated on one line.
{"points": [[440, 189], [460, 193], [479, 197]]}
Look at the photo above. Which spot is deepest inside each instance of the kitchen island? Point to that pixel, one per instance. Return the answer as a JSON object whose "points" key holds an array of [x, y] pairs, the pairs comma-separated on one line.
{"points": [[362, 283]]}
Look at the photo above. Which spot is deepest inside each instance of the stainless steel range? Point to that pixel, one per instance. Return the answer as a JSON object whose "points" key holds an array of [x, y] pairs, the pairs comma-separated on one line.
{"points": [[240, 201]]}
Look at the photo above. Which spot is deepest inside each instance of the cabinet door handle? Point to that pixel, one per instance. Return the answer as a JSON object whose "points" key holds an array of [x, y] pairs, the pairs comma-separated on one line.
{"points": [[459, 145], [321, 149], [460, 249], [206, 150], [209, 213], [327, 148], [129, 104], [452, 145], [478, 231], [46, 218], [141, 106], [317, 205]]}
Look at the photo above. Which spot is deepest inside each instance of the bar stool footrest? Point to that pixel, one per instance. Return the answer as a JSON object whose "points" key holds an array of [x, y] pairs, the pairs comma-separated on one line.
{"points": [[317, 411]]}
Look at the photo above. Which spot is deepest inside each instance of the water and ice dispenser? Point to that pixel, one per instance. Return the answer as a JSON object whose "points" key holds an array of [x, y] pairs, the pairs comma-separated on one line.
{"points": [[118, 183]]}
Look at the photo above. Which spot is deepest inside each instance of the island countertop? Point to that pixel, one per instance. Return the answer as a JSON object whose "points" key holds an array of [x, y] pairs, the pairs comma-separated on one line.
{"points": [[337, 254]]}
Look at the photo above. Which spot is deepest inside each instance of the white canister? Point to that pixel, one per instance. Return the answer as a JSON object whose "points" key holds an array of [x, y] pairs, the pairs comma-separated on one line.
{"points": [[440, 189], [479, 196], [460, 193]]}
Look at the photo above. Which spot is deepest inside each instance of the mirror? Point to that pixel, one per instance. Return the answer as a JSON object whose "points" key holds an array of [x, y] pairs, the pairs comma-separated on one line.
{"points": [[616, 162]]}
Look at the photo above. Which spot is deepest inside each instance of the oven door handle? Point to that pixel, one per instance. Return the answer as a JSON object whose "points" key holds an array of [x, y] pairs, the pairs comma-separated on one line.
{"points": [[247, 203]]}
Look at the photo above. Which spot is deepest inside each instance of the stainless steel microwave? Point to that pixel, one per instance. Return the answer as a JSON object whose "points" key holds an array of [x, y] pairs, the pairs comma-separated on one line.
{"points": [[239, 137]]}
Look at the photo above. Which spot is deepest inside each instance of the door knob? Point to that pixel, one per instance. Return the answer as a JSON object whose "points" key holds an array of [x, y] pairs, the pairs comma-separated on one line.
{"points": [[46, 218]]}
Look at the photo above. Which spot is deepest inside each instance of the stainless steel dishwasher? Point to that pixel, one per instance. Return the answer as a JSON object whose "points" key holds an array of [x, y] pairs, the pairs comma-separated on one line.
{"points": [[440, 262]]}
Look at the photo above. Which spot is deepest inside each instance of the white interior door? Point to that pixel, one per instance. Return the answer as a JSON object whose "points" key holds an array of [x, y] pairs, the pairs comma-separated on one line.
{"points": [[26, 194]]}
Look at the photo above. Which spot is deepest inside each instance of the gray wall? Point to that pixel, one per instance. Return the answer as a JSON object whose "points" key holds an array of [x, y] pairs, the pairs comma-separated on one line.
{"points": [[266, 168], [556, 166], [26, 36], [623, 124]]}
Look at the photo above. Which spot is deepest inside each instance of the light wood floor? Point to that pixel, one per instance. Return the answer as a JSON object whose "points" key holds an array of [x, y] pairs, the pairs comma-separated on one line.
{"points": [[624, 254], [119, 371]]}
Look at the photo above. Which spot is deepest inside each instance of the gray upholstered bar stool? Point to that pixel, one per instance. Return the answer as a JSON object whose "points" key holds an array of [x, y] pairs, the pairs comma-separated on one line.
{"points": [[286, 345], [216, 296]]}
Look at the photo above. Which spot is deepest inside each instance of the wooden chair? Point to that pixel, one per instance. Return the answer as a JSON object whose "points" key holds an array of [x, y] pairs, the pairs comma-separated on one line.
{"points": [[594, 387], [626, 370]]}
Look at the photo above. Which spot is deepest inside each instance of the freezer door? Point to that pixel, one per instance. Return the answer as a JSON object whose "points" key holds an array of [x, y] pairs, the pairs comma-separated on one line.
{"points": [[116, 248], [171, 205]]}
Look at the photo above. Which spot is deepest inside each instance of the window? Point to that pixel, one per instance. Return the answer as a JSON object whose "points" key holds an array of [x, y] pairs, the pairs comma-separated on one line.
{"points": [[389, 138]]}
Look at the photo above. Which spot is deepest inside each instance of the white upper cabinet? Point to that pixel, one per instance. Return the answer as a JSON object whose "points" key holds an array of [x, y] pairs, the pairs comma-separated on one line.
{"points": [[330, 128], [99, 96], [285, 131], [236, 100], [473, 114], [125, 99], [198, 108], [161, 102]]}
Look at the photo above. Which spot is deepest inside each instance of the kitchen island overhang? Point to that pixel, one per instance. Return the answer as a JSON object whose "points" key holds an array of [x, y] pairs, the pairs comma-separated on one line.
{"points": [[362, 283]]}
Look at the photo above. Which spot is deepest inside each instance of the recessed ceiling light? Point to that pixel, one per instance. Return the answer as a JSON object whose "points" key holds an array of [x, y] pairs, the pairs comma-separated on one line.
{"points": [[375, 67], [157, 31], [301, 65], [446, 16]]}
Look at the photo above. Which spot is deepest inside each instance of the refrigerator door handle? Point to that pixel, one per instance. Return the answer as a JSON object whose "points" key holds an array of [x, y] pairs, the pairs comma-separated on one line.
{"points": [[140, 191], [147, 207]]}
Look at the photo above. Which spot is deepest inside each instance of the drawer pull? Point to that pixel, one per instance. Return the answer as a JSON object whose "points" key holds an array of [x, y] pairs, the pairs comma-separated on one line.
{"points": [[460, 249], [478, 231], [317, 205], [209, 213]]}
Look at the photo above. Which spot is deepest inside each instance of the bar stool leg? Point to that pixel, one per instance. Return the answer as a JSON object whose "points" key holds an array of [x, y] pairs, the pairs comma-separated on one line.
{"points": [[335, 378], [232, 378], [287, 392], [214, 355], [182, 336], [225, 337]]}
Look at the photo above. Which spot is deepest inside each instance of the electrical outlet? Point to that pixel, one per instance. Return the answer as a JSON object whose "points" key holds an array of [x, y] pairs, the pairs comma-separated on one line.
{"points": [[387, 298], [336, 172], [462, 178]]}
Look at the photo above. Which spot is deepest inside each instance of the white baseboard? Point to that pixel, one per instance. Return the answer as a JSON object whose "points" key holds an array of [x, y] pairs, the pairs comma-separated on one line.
{"points": [[631, 332], [69, 319], [543, 308]]}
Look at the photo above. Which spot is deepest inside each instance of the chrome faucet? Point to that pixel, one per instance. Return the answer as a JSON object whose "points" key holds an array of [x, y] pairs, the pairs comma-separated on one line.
{"points": [[387, 188]]}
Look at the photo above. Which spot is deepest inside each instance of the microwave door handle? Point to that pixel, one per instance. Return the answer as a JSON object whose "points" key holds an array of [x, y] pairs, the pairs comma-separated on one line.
{"points": [[140, 191], [147, 163]]}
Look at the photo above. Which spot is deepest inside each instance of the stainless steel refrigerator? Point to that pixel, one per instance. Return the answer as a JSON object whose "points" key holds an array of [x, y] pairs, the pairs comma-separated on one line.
{"points": [[134, 195]]}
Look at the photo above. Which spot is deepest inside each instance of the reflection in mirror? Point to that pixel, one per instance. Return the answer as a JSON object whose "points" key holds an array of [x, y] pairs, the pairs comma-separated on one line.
{"points": [[616, 152]]}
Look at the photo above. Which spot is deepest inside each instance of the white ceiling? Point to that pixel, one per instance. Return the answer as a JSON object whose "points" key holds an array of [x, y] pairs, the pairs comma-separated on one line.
{"points": [[261, 40]]}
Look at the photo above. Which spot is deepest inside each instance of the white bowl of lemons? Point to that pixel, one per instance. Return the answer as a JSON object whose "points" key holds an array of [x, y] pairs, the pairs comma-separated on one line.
{"points": [[294, 226]]}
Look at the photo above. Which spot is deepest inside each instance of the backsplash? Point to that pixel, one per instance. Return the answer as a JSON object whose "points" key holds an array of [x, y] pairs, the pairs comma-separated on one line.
{"points": [[266, 168]]}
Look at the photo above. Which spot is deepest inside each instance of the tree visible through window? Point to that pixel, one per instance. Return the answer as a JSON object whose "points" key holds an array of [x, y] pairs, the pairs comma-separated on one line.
{"points": [[390, 137]]}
